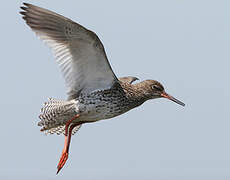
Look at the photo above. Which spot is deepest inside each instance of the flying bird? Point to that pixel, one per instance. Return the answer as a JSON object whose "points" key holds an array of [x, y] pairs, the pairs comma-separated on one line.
{"points": [[94, 92]]}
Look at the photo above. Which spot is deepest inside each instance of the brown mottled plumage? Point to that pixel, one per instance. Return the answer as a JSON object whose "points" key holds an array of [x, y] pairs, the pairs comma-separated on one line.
{"points": [[94, 91]]}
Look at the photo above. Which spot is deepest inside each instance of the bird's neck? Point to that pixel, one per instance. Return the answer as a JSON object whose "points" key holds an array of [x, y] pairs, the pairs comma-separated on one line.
{"points": [[136, 92]]}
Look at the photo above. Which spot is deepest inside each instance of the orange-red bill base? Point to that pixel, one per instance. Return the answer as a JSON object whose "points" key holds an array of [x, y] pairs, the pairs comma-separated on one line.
{"points": [[165, 95]]}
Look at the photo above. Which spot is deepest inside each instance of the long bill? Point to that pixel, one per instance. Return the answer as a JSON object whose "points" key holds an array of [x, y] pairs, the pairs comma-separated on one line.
{"points": [[165, 95]]}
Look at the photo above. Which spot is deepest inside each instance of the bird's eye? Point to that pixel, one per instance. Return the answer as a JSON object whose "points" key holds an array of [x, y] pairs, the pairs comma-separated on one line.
{"points": [[156, 87]]}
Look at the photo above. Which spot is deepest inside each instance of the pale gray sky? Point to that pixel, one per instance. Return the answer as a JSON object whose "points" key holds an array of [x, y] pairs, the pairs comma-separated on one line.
{"points": [[183, 44]]}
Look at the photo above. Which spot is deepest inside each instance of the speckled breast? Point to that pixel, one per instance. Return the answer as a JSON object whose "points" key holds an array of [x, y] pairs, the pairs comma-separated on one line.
{"points": [[104, 104]]}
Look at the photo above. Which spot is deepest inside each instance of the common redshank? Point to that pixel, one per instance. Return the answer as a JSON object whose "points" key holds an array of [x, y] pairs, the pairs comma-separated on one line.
{"points": [[94, 92]]}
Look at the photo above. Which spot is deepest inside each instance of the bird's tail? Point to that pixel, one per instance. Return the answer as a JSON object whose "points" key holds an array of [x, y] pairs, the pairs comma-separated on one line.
{"points": [[55, 113]]}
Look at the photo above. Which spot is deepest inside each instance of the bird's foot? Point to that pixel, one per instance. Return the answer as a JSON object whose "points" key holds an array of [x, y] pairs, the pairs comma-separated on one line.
{"points": [[68, 132], [62, 160]]}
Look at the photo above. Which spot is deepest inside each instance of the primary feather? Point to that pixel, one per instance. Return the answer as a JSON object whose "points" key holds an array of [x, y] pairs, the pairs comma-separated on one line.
{"points": [[78, 51]]}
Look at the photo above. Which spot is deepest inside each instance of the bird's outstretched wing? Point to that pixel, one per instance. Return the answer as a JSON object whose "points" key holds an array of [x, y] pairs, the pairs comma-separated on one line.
{"points": [[128, 79], [78, 51]]}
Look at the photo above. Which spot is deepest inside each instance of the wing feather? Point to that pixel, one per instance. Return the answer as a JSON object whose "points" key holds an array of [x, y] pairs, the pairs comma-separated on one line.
{"points": [[128, 79], [78, 51]]}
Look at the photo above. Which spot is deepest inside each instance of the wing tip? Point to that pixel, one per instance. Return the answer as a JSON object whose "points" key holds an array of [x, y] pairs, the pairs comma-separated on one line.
{"points": [[26, 4], [24, 10]]}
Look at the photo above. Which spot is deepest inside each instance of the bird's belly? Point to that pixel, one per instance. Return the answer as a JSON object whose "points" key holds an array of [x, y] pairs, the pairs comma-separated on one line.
{"points": [[96, 112]]}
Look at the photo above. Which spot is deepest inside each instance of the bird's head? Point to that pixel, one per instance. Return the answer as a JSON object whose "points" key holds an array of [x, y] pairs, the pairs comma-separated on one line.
{"points": [[153, 89]]}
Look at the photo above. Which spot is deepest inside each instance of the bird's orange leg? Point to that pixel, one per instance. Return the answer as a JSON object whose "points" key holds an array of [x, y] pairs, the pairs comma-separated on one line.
{"points": [[68, 132]]}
